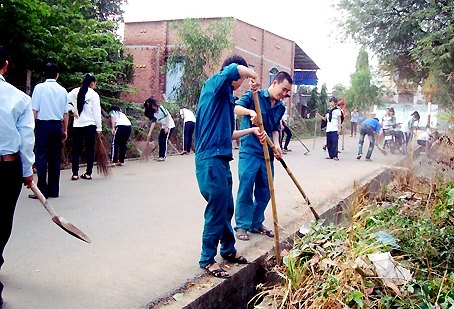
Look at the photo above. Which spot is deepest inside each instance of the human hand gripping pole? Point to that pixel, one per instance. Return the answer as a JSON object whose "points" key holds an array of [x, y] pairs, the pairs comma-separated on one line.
{"points": [[270, 180], [60, 221]]}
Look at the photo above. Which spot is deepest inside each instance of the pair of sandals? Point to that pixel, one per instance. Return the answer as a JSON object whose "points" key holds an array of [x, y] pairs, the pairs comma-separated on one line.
{"points": [[222, 273], [241, 233], [83, 176]]}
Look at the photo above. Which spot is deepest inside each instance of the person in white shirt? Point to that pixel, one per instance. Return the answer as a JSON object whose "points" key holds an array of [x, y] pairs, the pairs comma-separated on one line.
{"points": [[84, 103], [16, 152], [426, 139], [407, 128], [188, 129], [333, 128], [121, 130], [354, 116], [158, 113]]}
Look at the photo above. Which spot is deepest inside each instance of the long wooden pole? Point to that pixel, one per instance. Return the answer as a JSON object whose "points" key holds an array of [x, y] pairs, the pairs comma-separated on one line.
{"points": [[315, 132], [270, 180], [270, 143]]}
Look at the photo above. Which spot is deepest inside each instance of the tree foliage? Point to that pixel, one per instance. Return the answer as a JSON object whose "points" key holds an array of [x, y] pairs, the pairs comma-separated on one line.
{"points": [[411, 38], [314, 103], [80, 36], [362, 94], [198, 51]]}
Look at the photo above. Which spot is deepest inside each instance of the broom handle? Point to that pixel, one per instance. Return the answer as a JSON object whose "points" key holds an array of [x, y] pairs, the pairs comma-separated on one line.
{"points": [[270, 179]]}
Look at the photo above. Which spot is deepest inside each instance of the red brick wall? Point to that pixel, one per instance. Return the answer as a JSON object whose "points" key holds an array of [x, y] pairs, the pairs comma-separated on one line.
{"points": [[150, 42]]}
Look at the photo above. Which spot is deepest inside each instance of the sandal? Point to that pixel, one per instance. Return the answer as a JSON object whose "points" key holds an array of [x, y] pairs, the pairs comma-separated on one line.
{"points": [[336, 159], [85, 176], [263, 231], [241, 234], [232, 258], [218, 273], [74, 177]]}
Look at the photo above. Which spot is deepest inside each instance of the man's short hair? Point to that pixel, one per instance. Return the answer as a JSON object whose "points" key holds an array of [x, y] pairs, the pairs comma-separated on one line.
{"points": [[281, 76], [51, 70], [234, 59], [3, 56]]}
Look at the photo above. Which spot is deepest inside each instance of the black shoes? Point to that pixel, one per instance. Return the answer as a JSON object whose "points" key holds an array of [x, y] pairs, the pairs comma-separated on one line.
{"points": [[33, 197]]}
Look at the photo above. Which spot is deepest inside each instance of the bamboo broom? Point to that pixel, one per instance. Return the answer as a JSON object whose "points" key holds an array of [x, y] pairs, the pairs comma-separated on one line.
{"points": [[101, 157]]}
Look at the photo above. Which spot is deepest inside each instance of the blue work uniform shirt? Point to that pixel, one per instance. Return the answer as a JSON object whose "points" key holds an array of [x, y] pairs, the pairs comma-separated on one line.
{"points": [[50, 100], [373, 123], [215, 119], [271, 116]]}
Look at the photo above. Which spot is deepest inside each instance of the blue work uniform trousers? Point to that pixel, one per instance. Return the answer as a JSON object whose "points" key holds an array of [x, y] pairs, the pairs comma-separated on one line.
{"points": [[253, 192], [369, 131], [215, 183], [332, 143], [48, 148]]}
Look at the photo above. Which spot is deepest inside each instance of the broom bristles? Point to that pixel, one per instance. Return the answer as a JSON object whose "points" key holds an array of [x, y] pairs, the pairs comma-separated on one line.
{"points": [[147, 149], [102, 158]]}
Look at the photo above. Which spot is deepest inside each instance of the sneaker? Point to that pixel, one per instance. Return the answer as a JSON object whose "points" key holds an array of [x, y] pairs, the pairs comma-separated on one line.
{"points": [[160, 159]]}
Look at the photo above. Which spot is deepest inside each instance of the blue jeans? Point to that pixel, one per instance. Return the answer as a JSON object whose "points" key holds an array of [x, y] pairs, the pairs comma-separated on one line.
{"points": [[369, 131], [215, 183], [253, 192]]}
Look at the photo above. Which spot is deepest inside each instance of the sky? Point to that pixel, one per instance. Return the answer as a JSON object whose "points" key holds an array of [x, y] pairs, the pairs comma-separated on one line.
{"points": [[307, 22]]}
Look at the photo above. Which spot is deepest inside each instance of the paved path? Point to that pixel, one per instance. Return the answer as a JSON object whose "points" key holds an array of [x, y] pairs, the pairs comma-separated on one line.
{"points": [[145, 222]]}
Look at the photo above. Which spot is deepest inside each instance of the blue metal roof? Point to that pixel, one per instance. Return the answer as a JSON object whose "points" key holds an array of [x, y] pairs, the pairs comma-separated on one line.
{"points": [[305, 78]]}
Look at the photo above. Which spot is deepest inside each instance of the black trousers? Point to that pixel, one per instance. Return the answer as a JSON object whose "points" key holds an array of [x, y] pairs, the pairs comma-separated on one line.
{"points": [[188, 131], [10, 186], [120, 141], [287, 131], [48, 148], [87, 134], [163, 138]]}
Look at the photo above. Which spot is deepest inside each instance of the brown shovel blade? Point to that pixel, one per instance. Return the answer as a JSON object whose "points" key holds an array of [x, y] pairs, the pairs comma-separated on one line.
{"points": [[71, 229], [60, 221]]}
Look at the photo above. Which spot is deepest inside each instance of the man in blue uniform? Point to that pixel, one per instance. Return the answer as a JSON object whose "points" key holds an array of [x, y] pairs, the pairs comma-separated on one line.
{"points": [[253, 192], [49, 104], [214, 132], [371, 127], [16, 152]]}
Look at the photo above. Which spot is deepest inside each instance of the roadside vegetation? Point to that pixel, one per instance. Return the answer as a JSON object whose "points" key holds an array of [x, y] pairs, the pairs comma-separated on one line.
{"points": [[394, 250]]}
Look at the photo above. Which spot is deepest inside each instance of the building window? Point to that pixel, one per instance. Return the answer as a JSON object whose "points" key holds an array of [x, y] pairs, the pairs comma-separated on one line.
{"points": [[273, 71]]}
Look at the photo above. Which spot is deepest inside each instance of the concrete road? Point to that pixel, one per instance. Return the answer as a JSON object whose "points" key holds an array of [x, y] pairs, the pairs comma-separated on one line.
{"points": [[145, 222]]}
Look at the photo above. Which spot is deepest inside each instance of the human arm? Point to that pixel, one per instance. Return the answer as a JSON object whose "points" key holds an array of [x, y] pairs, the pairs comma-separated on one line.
{"points": [[245, 72], [25, 125], [166, 129], [96, 109], [112, 122], [339, 124], [322, 117], [254, 130], [277, 145], [149, 131], [243, 111], [64, 129]]}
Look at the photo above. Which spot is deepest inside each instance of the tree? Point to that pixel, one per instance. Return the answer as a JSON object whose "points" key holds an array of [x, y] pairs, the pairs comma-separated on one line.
{"points": [[197, 52], [80, 36], [362, 94], [323, 99], [338, 90], [410, 38], [314, 103]]}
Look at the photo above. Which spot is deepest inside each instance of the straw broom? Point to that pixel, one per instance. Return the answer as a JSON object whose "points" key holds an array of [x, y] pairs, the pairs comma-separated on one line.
{"points": [[101, 157]]}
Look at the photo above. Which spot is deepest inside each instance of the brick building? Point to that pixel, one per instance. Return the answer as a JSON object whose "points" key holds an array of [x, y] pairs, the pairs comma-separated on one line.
{"points": [[152, 42]]}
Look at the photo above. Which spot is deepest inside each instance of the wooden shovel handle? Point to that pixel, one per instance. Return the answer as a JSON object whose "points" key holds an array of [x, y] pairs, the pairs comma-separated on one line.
{"points": [[42, 199]]}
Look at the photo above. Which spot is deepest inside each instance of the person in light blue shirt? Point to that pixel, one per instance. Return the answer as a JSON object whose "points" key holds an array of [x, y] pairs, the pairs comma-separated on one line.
{"points": [[49, 104], [214, 132], [371, 128], [253, 191], [16, 152]]}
